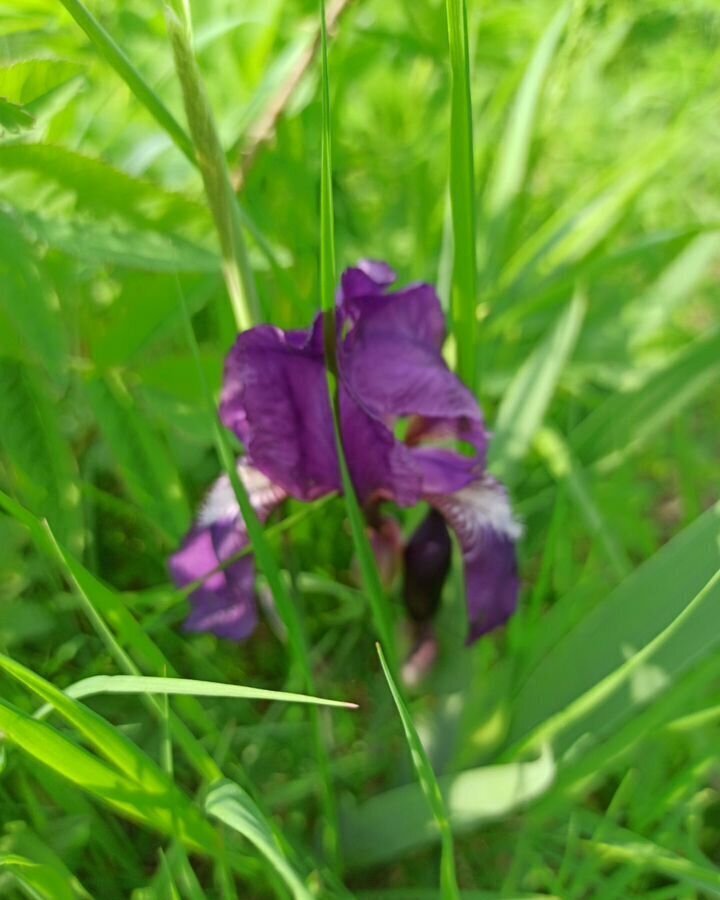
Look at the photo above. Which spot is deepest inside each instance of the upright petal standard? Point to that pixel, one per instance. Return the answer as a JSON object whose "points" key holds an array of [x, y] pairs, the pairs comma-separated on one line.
{"points": [[393, 380]]}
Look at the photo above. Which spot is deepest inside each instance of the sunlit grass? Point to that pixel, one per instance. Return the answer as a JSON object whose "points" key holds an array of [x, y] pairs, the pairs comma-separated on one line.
{"points": [[553, 165]]}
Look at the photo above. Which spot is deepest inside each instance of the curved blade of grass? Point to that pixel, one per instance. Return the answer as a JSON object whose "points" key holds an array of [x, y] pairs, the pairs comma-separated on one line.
{"points": [[397, 821], [596, 696], [213, 168], [116, 57], [564, 467], [430, 788], [229, 803], [167, 811], [529, 394], [647, 315], [138, 684], [371, 580], [462, 195], [39, 879], [509, 171], [101, 606], [626, 421]]}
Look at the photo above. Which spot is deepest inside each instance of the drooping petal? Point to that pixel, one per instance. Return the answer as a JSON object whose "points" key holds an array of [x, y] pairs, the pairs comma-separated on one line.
{"points": [[224, 601], [275, 399], [487, 531]]}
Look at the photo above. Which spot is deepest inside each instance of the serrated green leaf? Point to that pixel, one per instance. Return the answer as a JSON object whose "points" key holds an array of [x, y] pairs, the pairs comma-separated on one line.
{"points": [[14, 118], [103, 244], [27, 300], [99, 188]]}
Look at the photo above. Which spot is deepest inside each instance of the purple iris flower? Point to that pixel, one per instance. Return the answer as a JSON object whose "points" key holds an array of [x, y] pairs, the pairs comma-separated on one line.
{"points": [[392, 377]]}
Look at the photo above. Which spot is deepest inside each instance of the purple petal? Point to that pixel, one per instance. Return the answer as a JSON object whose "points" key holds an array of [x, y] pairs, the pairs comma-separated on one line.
{"points": [[414, 314], [481, 517], [380, 466], [275, 399], [224, 603], [427, 563], [368, 278]]}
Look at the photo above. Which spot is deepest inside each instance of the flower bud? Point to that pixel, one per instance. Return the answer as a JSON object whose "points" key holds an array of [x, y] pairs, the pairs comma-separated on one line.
{"points": [[427, 561]]}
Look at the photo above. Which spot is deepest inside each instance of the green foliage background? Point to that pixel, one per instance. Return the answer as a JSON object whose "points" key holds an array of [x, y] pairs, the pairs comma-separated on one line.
{"points": [[576, 752]]}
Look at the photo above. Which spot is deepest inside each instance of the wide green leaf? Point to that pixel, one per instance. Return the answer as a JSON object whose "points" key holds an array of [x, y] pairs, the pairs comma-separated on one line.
{"points": [[391, 824], [671, 599]]}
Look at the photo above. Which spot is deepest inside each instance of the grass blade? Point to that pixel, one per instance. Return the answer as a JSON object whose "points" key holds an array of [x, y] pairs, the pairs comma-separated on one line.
{"points": [[626, 421], [116, 57], [564, 467], [392, 823], [529, 394], [101, 606], [138, 684], [429, 786], [664, 612], [462, 195], [167, 811], [229, 803], [216, 178], [508, 176], [371, 580]]}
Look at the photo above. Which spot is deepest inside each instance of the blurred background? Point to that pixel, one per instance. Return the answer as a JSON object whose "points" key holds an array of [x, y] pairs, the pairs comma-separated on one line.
{"points": [[596, 134]]}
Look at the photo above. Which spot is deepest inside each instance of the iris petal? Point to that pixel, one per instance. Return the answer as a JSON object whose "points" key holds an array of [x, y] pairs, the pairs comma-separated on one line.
{"points": [[485, 527], [224, 601]]}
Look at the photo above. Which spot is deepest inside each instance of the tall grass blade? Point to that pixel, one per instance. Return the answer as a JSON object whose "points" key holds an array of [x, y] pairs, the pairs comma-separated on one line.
{"points": [[462, 195], [430, 788], [510, 169], [626, 421], [165, 811], [229, 803], [530, 393], [116, 57], [371, 580], [646, 316], [137, 684], [102, 606], [216, 178], [564, 467], [39, 880]]}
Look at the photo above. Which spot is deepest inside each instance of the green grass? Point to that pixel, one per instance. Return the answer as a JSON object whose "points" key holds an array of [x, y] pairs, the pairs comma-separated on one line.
{"points": [[552, 168]]}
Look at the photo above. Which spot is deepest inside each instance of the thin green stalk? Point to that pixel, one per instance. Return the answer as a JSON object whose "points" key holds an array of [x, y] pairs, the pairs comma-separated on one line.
{"points": [[116, 57], [286, 608], [462, 196], [371, 580], [430, 788], [213, 168]]}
